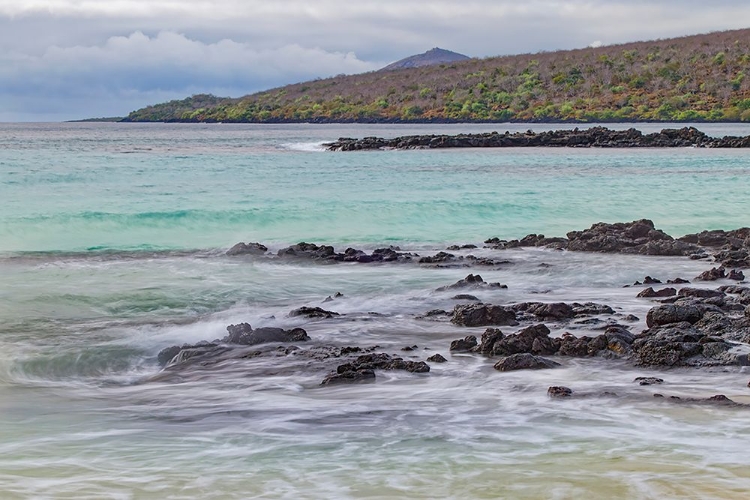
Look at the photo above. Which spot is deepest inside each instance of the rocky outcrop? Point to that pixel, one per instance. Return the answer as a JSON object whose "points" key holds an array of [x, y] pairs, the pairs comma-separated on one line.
{"points": [[561, 311], [559, 392], [600, 137], [483, 315], [237, 335], [730, 248], [536, 340], [524, 361], [471, 281], [673, 313], [638, 237], [363, 368], [247, 249], [701, 327], [651, 293], [327, 253], [464, 345], [313, 312]]}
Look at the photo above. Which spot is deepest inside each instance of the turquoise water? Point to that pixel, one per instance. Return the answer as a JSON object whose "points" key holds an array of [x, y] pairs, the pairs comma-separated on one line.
{"points": [[112, 242], [89, 187]]}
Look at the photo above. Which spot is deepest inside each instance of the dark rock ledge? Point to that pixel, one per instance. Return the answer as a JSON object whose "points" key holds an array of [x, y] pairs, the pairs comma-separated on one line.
{"points": [[599, 137], [729, 249]]}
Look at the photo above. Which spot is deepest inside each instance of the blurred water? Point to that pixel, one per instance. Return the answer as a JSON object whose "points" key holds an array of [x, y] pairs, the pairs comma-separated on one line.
{"points": [[111, 248]]}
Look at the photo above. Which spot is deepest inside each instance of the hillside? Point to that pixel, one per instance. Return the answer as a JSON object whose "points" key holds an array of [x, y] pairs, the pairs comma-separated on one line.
{"points": [[429, 58], [695, 78]]}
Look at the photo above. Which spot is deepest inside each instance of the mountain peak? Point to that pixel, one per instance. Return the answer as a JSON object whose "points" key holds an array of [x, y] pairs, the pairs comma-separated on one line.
{"points": [[431, 57]]}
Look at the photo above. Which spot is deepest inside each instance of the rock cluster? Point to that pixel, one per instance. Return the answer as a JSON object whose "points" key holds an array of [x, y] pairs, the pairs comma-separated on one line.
{"points": [[535, 341], [731, 249], [637, 237], [328, 253], [471, 281], [600, 137], [238, 335], [362, 368], [699, 327]]}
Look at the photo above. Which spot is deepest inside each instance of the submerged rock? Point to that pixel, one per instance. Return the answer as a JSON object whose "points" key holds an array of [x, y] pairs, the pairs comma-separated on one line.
{"points": [[247, 249], [559, 392], [437, 358], [243, 334], [240, 335], [350, 377], [648, 380], [313, 312], [362, 368], [471, 281]]}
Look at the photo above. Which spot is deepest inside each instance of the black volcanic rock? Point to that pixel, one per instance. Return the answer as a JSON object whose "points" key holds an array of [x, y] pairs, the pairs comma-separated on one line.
{"points": [[524, 361], [247, 249], [600, 137], [483, 315]]}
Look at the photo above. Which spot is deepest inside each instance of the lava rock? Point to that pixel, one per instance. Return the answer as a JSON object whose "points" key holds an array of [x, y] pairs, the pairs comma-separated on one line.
{"points": [[247, 249], [483, 315], [650, 293], [471, 281], [244, 334], [559, 392], [534, 339], [648, 380], [714, 274], [350, 377], [465, 296], [736, 275], [313, 312], [673, 313], [464, 345], [524, 361]]}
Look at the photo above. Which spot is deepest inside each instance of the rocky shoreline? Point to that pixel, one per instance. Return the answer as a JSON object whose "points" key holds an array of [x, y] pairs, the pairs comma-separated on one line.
{"points": [[686, 326], [596, 137]]}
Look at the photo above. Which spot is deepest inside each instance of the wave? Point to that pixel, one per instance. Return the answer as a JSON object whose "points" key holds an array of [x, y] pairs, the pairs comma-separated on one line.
{"points": [[304, 146]]}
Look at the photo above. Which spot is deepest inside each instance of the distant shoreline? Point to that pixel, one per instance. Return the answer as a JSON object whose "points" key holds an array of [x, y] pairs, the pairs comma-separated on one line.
{"points": [[440, 121]]}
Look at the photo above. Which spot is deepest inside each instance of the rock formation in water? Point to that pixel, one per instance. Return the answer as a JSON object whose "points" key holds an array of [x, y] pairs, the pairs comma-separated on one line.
{"points": [[594, 137]]}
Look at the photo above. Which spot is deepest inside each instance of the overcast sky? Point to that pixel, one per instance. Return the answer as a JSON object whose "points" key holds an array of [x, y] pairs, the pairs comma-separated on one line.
{"points": [[69, 59]]}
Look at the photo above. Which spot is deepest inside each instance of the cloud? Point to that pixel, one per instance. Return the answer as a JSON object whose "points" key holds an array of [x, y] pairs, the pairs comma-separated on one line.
{"points": [[89, 57], [168, 64]]}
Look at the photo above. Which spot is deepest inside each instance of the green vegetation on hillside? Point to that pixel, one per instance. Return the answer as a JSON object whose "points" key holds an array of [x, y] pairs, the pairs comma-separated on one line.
{"points": [[696, 78]]}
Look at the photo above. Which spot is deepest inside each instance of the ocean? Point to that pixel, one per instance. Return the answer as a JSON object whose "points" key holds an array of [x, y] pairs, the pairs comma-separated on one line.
{"points": [[113, 241]]}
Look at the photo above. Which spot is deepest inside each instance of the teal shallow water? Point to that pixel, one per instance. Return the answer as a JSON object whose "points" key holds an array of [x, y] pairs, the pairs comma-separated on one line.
{"points": [[83, 187], [111, 248]]}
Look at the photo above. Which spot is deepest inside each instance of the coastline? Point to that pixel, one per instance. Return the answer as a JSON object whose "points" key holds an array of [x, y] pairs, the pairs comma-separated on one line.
{"points": [[691, 323]]}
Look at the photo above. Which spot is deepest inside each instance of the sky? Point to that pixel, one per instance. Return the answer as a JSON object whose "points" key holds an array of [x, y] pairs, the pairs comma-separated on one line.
{"points": [[73, 59]]}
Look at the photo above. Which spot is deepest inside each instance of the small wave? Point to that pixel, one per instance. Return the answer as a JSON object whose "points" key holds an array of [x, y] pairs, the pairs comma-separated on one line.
{"points": [[97, 365], [304, 146]]}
